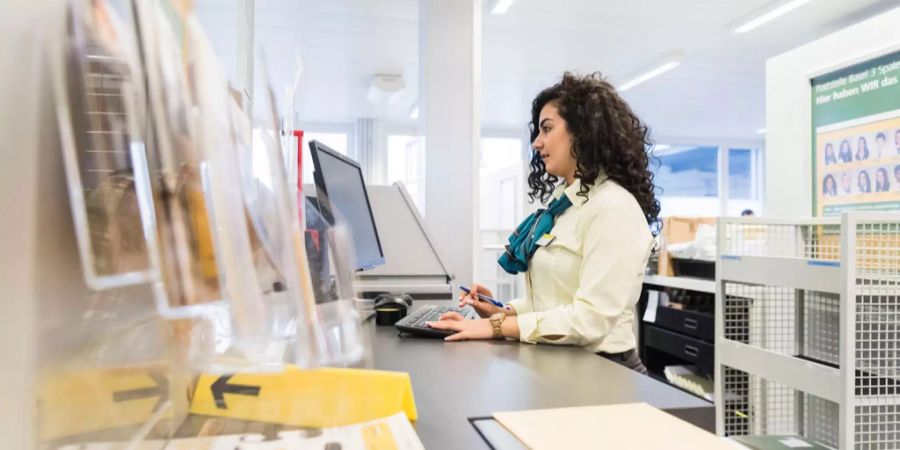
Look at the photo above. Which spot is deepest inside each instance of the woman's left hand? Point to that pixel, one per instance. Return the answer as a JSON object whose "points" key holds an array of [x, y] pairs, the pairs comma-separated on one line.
{"points": [[465, 329]]}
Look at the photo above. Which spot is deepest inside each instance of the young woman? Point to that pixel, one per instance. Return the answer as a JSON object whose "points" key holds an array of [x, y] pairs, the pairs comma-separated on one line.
{"points": [[585, 273], [862, 149], [882, 181], [863, 182], [829, 186], [829, 154], [845, 154]]}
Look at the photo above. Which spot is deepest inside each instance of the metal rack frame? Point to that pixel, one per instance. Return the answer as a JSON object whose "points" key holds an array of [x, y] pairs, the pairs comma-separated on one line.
{"points": [[776, 368]]}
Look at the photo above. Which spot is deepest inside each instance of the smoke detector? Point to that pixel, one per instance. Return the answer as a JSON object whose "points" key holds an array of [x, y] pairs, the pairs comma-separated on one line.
{"points": [[385, 88]]}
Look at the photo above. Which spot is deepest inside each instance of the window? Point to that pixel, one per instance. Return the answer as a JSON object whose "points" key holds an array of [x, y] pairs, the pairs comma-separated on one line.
{"points": [[688, 180], [406, 163], [499, 152], [501, 197], [335, 140], [744, 180]]}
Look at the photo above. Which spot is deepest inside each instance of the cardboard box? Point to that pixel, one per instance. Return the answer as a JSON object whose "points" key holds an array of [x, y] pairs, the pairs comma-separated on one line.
{"points": [[677, 230]]}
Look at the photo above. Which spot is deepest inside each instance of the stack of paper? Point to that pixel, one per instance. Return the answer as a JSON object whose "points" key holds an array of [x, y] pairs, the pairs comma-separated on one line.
{"points": [[686, 378], [625, 426]]}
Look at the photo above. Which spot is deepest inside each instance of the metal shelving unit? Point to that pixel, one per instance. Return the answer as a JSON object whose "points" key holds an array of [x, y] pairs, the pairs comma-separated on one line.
{"points": [[808, 329]]}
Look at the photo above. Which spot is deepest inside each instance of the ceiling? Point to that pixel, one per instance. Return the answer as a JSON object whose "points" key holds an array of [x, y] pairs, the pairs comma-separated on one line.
{"points": [[717, 93]]}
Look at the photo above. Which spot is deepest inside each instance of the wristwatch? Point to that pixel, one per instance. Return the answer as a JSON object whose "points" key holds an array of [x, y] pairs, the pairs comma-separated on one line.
{"points": [[496, 321]]}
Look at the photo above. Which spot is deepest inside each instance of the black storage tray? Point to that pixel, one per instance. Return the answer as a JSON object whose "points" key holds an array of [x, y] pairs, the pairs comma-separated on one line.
{"points": [[692, 323], [694, 268], [693, 350]]}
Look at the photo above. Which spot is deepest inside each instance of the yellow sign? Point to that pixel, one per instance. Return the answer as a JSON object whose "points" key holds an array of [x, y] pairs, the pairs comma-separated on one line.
{"points": [[311, 398], [99, 399]]}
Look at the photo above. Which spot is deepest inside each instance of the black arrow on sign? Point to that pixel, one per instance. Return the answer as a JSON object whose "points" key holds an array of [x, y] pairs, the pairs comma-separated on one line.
{"points": [[160, 390], [221, 387]]}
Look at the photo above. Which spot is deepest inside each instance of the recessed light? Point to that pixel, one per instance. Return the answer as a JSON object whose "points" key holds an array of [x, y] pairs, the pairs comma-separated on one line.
{"points": [[671, 61], [501, 6], [770, 15]]}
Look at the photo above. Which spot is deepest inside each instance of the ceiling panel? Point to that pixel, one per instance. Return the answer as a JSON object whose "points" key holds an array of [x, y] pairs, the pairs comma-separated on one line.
{"points": [[718, 91]]}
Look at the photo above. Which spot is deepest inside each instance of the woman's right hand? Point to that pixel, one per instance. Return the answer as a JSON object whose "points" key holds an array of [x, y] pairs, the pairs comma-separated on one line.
{"points": [[483, 308]]}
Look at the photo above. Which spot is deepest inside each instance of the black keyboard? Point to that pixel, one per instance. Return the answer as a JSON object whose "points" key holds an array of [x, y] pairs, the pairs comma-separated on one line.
{"points": [[414, 323]]}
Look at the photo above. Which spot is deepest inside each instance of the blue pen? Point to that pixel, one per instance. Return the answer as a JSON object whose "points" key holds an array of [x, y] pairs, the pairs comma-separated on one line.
{"points": [[484, 298]]}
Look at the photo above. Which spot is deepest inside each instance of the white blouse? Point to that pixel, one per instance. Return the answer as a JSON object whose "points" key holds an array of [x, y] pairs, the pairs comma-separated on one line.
{"points": [[583, 285]]}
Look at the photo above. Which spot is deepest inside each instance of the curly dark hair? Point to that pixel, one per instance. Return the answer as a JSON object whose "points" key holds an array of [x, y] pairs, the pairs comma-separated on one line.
{"points": [[606, 136]]}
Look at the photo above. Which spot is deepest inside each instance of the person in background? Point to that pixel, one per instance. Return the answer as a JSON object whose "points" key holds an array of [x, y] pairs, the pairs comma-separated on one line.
{"points": [[863, 182], [881, 149], [747, 213], [862, 149], [829, 186], [846, 184], [882, 181], [584, 273], [830, 158], [845, 154]]}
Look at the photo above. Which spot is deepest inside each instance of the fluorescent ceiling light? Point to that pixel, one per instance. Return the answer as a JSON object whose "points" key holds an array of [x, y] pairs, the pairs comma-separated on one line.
{"points": [[501, 6], [770, 15], [761, 131], [668, 63]]}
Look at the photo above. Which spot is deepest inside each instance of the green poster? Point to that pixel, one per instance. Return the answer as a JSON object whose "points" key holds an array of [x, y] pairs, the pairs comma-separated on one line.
{"points": [[856, 137]]}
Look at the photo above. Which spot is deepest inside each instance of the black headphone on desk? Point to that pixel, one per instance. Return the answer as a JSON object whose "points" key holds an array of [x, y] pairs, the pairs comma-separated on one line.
{"points": [[389, 308]]}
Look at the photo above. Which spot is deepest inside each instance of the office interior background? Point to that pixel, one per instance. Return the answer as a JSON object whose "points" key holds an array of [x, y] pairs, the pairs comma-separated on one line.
{"points": [[706, 110], [436, 95]]}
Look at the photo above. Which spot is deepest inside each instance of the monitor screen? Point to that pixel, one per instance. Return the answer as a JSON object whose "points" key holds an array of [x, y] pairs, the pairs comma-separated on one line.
{"points": [[342, 196]]}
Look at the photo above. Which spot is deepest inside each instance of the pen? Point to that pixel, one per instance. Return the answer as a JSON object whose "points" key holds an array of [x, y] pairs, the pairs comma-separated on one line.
{"points": [[483, 298]]}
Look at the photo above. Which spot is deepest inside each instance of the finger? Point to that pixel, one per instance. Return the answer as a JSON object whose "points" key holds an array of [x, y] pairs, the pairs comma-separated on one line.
{"points": [[451, 325], [461, 336], [452, 315], [484, 309], [482, 289]]}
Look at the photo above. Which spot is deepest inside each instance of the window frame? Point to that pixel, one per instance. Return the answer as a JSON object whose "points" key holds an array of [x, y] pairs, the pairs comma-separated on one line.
{"points": [[333, 127], [724, 146]]}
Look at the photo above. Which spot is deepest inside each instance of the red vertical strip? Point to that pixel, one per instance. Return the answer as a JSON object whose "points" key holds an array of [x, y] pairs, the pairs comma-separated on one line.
{"points": [[299, 135]]}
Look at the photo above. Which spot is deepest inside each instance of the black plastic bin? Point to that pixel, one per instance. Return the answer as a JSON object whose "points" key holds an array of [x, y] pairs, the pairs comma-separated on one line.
{"points": [[694, 268]]}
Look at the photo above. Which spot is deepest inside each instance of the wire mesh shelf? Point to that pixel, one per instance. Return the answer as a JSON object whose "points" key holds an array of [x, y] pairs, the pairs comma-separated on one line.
{"points": [[862, 318]]}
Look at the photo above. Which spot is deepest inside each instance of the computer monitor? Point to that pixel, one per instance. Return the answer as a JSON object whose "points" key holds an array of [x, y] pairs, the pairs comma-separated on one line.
{"points": [[342, 194]]}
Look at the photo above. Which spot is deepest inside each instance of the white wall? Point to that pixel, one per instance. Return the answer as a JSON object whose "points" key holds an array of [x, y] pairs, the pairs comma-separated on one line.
{"points": [[788, 106], [23, 146]]}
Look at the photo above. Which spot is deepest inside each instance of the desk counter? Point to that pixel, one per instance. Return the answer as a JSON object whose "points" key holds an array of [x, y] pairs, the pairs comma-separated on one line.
{"points": [[453, 381]]}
